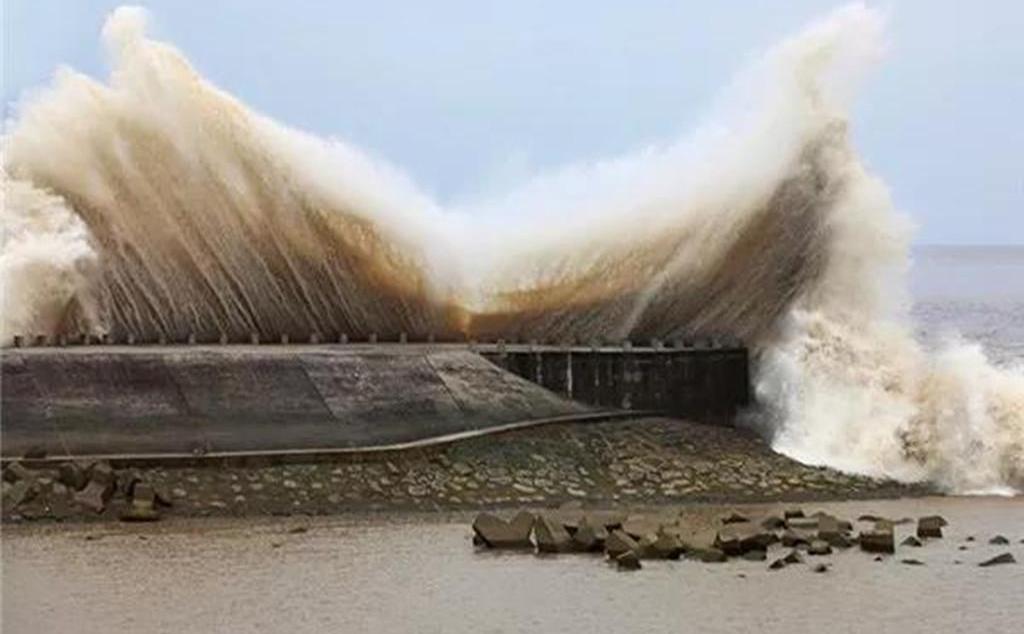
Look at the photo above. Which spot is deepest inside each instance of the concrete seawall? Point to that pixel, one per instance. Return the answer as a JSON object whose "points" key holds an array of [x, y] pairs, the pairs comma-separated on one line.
{"points": [[704, 384], [201, 400], [198, 399]]}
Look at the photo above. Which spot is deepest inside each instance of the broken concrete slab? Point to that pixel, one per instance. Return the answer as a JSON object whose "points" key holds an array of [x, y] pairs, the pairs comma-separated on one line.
{"points": [[738, 538], [587, 538], [140, 511], [833, 531], [94, 496], [639, 526], [628, 561], [802, 523], [495, 532], [550, 535], [619, 542], [877, 541], [819, 547], [1005, 558], [930, 526], [665, 546], [792, 538], [706, 555]]}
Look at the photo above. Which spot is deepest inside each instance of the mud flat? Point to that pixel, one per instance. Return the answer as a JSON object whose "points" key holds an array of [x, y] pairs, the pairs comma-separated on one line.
{"points": [[650, 461], [419, 572]]}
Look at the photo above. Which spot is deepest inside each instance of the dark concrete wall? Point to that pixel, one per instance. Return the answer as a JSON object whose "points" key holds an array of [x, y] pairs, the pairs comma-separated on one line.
{"points": [[705, 384], [183, 399]]}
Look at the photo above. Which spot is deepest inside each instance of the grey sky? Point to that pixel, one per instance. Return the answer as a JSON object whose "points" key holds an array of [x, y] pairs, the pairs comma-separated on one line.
{"points": [[475, 94]]}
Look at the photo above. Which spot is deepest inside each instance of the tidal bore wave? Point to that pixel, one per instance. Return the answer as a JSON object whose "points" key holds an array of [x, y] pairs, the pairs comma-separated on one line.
{"points": [[155, 205]]}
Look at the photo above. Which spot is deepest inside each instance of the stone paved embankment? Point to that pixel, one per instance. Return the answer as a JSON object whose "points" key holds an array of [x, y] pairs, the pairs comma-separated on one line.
{"points": [[635, 462]]}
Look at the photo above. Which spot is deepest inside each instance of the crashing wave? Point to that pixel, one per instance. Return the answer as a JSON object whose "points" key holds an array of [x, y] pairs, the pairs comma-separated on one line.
{"points": [[156, 206]]}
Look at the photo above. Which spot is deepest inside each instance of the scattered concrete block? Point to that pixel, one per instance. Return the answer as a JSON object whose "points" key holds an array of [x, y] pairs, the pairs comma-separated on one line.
{"points": [[879, 540], [792, 539], [930, 526], [803, 523], [706, 555], [628, 561], [619, 542], [1005, 558], [833, 531], [819, 547], [666, 546], [95, 495], [550, 535], [639, 527], [736, 539], [586, 539], [495, 532], [137, 513]]}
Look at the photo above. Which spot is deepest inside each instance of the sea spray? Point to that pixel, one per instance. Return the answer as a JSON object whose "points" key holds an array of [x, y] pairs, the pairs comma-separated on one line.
{"points": [[155, 205], [46, 258]]}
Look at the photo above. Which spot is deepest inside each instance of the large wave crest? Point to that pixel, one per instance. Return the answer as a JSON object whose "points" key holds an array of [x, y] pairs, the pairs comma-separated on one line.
{"points": [[154, 205]]}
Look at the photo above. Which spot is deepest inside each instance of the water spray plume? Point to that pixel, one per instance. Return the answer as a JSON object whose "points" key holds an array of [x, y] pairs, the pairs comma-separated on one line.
{"points": [[154, 205]]}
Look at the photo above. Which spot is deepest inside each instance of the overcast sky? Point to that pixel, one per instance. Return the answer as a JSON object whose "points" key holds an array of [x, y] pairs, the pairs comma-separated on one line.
{"points": [[474, 94]]}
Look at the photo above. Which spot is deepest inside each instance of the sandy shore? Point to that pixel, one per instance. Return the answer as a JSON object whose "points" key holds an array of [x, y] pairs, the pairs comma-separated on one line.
{"points": [[419, 572]]}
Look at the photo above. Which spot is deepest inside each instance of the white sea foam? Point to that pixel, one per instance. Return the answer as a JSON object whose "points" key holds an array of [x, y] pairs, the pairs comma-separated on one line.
{"points": [[157, 205]]}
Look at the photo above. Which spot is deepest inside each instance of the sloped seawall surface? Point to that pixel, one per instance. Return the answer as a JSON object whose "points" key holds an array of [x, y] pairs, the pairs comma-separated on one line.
{"points": [[129, 400]]}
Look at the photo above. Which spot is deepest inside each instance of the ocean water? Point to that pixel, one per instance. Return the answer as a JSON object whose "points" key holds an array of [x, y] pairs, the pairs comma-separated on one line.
{"points": [[421, 574], [972, 292]]}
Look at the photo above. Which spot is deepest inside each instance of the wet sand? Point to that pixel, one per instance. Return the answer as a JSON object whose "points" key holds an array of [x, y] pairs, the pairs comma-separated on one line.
{"points": [[418, 572]]}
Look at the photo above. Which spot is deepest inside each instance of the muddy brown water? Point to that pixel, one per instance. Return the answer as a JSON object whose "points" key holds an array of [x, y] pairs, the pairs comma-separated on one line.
{"points": [[419, 573]]}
